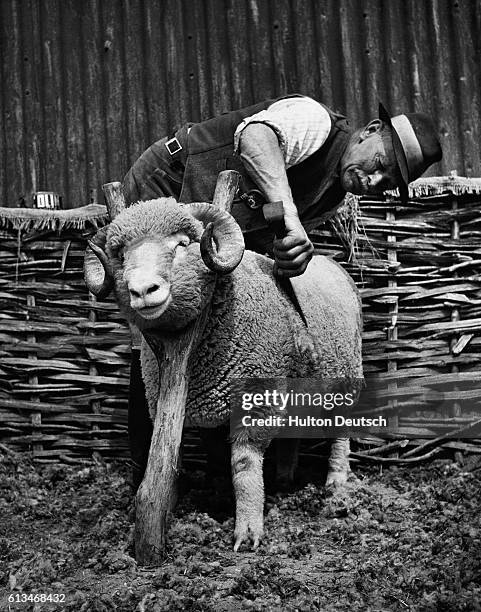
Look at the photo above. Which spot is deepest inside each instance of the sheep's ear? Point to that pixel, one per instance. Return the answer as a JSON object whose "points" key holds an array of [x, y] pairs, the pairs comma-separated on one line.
{"points": [[97, 269]]}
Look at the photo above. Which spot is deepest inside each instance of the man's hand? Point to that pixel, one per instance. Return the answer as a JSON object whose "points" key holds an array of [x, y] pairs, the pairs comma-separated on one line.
{"points": [[293, 252]]}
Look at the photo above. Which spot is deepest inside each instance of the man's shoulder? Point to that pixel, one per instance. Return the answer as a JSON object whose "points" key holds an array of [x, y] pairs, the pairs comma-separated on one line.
{"points": [[294, 100], [303, 106]]}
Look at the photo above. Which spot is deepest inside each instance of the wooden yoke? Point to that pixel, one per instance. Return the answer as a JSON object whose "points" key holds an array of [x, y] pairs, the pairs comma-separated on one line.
{"points": [[225, 189], [114, 198], [156, 495]]}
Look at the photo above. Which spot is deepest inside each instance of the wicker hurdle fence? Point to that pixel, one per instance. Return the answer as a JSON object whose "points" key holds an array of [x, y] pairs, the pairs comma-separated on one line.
{"points": [[64, 356], [418, 267]]}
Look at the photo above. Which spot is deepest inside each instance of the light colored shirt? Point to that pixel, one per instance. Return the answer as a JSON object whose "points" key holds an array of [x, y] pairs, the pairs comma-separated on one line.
{"points": [[302, 126]]}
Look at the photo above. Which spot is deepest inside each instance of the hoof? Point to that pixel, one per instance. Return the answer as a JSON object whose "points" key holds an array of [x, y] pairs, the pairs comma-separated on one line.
{"points": [[336, 479], [248, 530]]}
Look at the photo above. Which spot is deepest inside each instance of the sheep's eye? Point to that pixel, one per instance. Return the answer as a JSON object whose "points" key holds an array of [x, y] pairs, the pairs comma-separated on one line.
{"points": [[184, 242]]}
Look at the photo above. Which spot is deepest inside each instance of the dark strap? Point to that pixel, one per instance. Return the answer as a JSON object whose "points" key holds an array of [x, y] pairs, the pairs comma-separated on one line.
{"points": [[177, 148]]}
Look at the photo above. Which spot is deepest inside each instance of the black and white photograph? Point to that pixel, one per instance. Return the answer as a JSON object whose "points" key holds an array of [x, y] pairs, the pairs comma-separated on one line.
{"points": [[240, 305]]}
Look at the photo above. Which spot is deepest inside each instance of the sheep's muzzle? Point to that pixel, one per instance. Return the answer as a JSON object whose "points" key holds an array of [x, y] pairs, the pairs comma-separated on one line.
{"points": [[147, 270]]}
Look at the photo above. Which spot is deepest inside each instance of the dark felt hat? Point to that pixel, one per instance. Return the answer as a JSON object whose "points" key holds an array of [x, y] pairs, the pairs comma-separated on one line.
{"points": [[415, 144]]}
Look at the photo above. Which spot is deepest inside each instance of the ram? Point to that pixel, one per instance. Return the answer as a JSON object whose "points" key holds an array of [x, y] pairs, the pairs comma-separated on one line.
{"points": [[211, 313]]}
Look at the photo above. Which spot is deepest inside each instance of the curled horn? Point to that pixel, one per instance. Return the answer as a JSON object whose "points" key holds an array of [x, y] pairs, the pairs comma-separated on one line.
{"points": [[97, 270], [221, 229]]}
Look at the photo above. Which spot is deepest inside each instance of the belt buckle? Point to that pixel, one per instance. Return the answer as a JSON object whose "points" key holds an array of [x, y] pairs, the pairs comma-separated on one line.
{"points": [[173, 146]]}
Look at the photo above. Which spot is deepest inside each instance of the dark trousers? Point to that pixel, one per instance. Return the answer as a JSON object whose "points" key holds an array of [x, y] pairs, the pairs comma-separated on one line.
{"points": [[140, 431], [140, 425]]}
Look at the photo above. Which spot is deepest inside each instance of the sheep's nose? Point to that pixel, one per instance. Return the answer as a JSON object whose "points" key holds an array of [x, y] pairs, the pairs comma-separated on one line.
{"points": [[142, 291], [147, 292]]}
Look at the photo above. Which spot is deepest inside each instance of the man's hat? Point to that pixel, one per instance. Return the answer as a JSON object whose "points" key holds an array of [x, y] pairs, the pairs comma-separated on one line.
{"points": [[415, 144]]}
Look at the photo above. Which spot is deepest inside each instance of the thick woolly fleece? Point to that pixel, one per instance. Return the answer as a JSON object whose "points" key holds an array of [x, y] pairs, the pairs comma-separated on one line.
{"points": [[255, 331], [155, 218]]}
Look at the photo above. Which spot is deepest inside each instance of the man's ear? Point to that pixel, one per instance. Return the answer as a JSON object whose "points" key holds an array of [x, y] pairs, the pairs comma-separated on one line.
{"points": [[373, 127]]}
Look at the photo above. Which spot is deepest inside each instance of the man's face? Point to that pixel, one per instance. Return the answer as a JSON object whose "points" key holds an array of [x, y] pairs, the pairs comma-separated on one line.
{"points": [[368, 166]]}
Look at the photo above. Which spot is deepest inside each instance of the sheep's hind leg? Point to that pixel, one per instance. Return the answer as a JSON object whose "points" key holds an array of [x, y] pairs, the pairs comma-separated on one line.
{"points": [[247, 478], [338, 462]]}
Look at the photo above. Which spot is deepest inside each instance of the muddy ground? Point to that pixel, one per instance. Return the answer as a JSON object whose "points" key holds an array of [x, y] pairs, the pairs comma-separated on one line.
{"points": [[398, 539]]}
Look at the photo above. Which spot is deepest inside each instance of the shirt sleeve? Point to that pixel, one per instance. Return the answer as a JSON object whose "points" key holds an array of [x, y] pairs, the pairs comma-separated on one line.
{"points": [[302, 126]]}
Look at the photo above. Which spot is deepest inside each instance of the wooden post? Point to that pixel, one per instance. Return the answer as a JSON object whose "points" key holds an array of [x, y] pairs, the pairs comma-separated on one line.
{"points": [[156, 495], [225, 189], [114, 198], [455, 409], [116, 203], [36, 417], [392, 330]]}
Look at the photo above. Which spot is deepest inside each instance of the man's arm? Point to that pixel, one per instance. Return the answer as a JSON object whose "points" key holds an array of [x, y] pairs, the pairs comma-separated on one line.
{"points": [[263, 159]]}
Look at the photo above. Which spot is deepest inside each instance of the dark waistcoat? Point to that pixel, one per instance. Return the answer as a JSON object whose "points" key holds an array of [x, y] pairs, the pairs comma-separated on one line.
{"points": [[314, 183]]}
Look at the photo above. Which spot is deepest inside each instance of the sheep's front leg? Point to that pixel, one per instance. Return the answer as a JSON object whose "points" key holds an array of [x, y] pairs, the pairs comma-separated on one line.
{"points": [[247, 478], [338, 462]]}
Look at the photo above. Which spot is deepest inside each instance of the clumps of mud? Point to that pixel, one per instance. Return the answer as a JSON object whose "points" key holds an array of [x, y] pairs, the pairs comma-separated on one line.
{"points": [[406, 539]]}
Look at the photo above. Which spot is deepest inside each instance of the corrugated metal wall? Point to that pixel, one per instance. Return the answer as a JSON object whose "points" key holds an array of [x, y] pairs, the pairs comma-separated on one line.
{"points": [[87, 85]]}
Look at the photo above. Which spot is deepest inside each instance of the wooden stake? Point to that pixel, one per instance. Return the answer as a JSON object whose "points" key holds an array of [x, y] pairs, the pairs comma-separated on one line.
{"points": [[225, 189], [114, 198], [156, 495]]}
